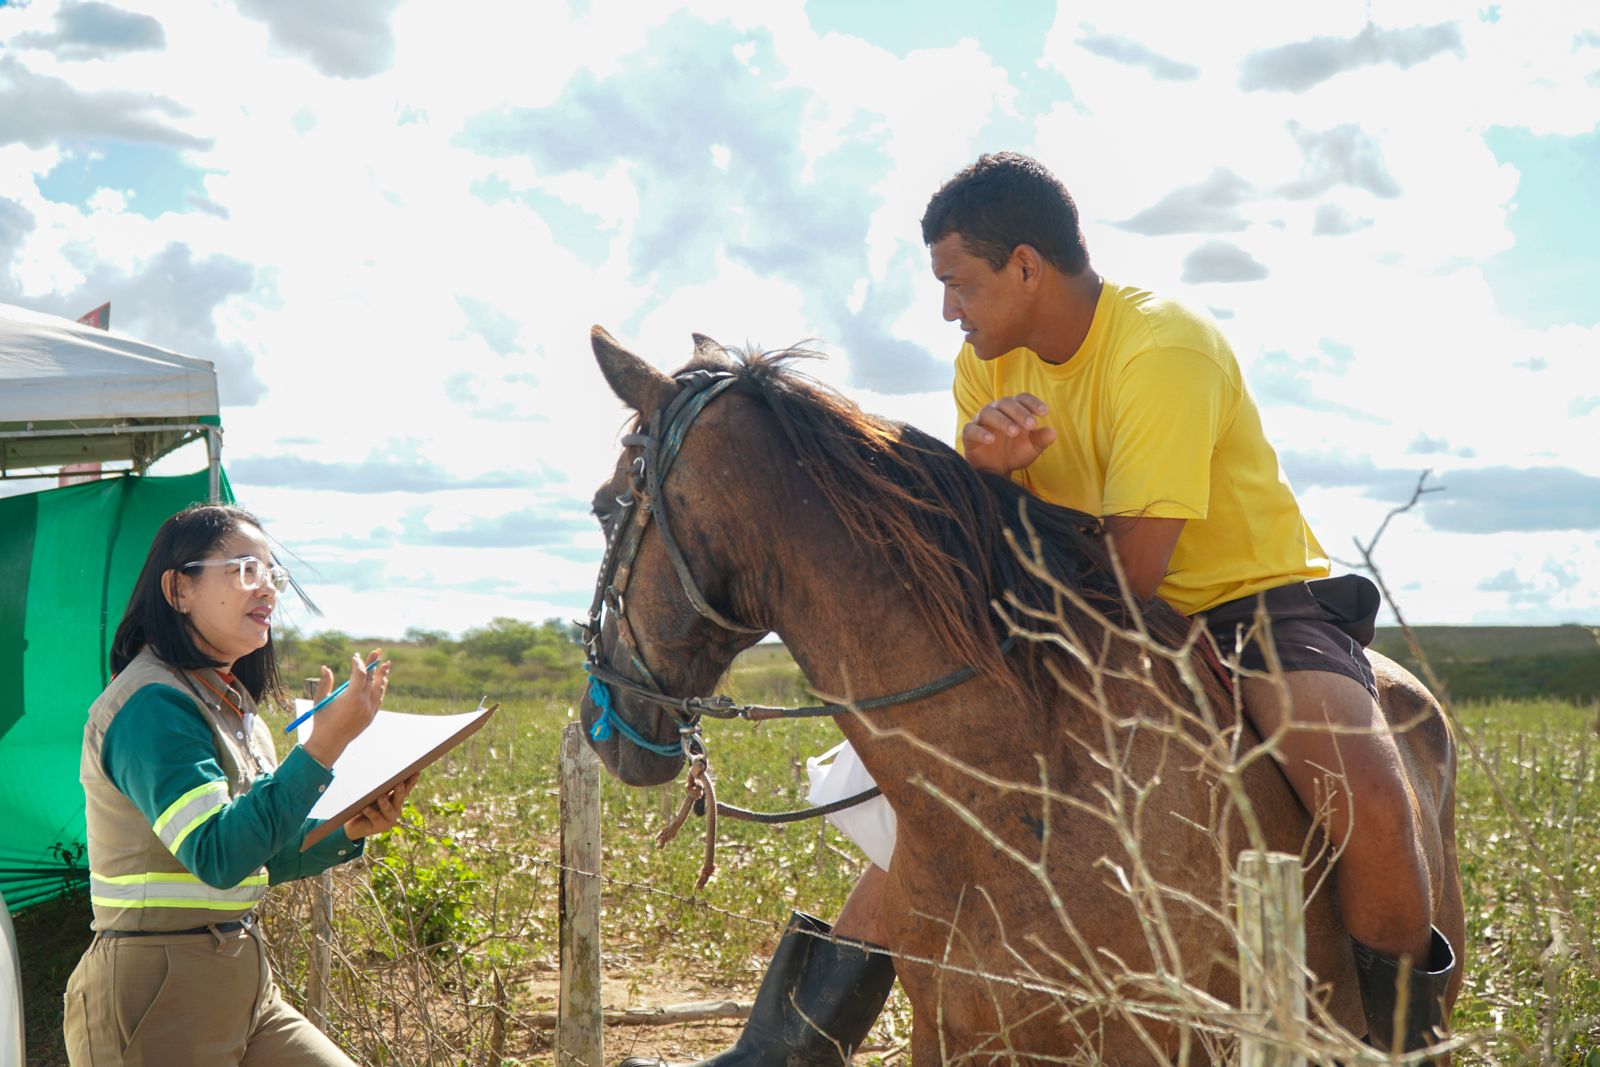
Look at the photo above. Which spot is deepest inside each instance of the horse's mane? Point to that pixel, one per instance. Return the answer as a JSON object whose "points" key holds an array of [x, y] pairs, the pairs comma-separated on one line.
{"points": [[940, 524]]}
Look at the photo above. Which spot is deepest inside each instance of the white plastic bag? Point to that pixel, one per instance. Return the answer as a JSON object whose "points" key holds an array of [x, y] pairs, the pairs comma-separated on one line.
{"points": [[838, 774]]}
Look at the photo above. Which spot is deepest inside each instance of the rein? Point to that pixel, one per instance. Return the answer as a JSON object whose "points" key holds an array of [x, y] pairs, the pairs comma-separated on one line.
{"points": [[643, 500], [722, 707]]}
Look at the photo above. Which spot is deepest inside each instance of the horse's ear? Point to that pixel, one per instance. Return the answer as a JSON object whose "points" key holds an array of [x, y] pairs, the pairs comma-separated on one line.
{"points": [[707, 351], [636, 383]]}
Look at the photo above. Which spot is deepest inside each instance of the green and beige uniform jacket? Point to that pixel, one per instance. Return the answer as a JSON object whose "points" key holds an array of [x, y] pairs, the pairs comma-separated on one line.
{"points": [[189, 815]]}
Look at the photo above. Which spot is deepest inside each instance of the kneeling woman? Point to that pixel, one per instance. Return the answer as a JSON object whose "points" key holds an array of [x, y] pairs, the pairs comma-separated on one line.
{"points": [[190, 816]]}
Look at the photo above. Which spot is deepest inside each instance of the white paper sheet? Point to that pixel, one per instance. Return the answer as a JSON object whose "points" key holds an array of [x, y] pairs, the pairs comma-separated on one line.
{"points": [[392, 743]]}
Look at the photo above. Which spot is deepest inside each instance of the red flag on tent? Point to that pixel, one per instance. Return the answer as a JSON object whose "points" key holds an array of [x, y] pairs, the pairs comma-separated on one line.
{"points": [[99, 318]]}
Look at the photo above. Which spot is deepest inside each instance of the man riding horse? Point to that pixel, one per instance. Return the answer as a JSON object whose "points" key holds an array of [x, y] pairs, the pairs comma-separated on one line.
{"points": [[1109, 399]]}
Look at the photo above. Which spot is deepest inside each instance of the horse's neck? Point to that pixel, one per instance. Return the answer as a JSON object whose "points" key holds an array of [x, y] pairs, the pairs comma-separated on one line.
{"points": [[848, 625], [856, 636], [846, 616]]}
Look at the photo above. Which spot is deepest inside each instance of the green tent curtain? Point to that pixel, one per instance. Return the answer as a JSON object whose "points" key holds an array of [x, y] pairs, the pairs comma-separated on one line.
{"points": [[68, 561]]}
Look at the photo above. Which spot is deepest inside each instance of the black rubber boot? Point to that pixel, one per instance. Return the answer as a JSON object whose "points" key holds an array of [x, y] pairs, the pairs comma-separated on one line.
{"points": [[1379, 979], [817, 1002]]}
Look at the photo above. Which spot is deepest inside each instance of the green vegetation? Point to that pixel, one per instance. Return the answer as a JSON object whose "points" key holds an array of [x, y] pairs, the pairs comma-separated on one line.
{"points": [[1530, 870], [425, 885], [509, 658]]}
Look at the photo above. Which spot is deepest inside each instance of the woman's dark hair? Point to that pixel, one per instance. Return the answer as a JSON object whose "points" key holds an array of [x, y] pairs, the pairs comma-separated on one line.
{"points": [[193, 533], [1003, 200]]}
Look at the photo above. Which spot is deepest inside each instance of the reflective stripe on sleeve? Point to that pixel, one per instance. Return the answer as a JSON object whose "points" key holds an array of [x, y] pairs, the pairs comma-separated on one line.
{"points": [[166, 889], [189, 811]]}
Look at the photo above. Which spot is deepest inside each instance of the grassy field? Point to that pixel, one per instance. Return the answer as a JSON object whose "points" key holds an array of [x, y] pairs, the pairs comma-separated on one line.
{"points": [[447, 940]]}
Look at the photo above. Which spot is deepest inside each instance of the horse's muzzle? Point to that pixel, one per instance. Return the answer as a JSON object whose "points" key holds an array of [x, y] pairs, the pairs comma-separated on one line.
{"points": [[624, 760]]}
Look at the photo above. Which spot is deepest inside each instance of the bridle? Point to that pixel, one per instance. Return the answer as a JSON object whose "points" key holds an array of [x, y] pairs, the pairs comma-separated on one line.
{"points": [[659, 442]]}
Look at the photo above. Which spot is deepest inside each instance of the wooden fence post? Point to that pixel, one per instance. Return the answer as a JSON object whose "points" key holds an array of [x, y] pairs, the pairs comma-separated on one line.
{"points": [[579, 1029], [321, 962], [1272, 957]]}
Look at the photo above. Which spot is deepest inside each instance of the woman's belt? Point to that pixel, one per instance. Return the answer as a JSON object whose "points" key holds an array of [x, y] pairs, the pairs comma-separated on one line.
{"points": [[244, 922]]}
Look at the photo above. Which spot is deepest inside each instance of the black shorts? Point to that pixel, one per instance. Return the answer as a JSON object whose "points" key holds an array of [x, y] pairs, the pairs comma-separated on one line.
{"points": [[1322, 625]]}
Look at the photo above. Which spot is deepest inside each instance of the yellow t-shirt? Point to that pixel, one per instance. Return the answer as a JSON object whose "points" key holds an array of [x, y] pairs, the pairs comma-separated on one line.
{"points": [[1152, 418]]}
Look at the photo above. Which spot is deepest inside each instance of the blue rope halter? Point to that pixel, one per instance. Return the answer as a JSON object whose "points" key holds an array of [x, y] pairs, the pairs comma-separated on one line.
{"points": [[600, 696]]}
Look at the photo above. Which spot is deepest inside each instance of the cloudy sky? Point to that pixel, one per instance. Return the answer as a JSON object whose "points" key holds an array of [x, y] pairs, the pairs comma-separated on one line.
{"points": [[391, 223]]}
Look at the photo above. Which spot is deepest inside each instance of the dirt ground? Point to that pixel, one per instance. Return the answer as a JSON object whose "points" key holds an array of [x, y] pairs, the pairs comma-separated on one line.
{"points": [[680, 1043], [621, 987]]}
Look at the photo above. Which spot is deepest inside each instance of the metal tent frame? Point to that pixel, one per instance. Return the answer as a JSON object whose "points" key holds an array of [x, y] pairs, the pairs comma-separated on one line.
{"points": [[72, 393]]}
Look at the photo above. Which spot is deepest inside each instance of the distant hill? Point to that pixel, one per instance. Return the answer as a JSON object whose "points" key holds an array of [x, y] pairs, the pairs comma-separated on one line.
{"points": [[1469, 643], [1504, 662]]}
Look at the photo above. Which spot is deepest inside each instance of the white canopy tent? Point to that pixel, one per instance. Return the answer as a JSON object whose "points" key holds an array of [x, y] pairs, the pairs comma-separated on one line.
{"points": [[72, 393], [11, 1016]]}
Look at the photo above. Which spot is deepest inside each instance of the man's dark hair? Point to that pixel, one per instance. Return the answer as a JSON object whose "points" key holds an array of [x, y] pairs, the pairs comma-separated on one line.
{"points": [[191, 534], [1003, 200]]}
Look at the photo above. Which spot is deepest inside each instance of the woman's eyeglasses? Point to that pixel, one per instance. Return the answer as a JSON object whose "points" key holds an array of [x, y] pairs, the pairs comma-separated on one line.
{"points": [[252, 572]]}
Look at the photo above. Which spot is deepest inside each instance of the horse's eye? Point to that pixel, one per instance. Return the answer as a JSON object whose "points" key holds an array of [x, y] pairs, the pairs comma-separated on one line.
{"points": [[601, 515]]}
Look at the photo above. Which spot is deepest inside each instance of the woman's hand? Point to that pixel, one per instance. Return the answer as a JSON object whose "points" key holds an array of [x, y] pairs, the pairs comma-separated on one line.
{"points": [[382, 814], [335, 726]]}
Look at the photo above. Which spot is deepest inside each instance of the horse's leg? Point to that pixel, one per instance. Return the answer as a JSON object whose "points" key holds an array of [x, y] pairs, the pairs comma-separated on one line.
{"points": [[924, 1038], [1450, 915]]}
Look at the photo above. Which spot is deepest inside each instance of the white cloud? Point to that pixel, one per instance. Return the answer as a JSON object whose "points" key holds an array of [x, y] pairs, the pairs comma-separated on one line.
{"points": [[94, 30], [380, 239], [343, 41]]}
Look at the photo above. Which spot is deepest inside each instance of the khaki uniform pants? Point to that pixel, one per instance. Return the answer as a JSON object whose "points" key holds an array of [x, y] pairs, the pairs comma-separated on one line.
{"points": [[186, 1000]]}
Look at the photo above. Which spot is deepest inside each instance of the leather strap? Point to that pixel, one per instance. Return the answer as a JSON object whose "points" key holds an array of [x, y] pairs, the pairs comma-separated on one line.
{"points": [[232, 926]]}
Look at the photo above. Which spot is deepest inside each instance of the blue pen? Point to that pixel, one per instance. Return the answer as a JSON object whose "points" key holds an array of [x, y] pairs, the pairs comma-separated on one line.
{"points": [[319, 705]]}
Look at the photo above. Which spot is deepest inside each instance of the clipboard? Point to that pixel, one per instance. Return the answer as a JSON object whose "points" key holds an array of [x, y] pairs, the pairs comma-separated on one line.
{"points": [[411, 742]]}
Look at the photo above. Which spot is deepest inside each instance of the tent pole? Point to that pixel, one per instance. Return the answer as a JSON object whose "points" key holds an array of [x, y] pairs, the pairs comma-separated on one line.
{"points": [[214, 463]]}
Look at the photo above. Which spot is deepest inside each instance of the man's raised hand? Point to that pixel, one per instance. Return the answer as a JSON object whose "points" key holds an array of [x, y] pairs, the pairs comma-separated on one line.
{"points": [[1008, 434]]}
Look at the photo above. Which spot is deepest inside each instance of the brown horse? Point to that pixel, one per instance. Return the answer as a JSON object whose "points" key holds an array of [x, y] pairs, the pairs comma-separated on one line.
{"points": [[1069, 817]]}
